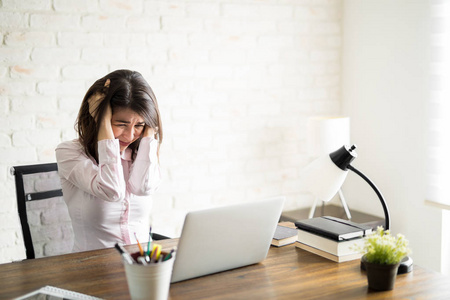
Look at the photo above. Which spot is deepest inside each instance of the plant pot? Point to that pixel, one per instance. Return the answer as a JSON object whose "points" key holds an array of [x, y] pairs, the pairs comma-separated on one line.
{"points": [[380, 277]]}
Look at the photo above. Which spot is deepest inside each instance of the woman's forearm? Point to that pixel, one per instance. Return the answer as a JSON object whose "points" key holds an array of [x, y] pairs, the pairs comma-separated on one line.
{"points": [[105, 131]]}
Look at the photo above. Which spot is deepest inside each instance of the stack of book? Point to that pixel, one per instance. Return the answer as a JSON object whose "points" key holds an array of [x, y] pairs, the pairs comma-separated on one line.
{"points": [[284, 236], [332, 238]]}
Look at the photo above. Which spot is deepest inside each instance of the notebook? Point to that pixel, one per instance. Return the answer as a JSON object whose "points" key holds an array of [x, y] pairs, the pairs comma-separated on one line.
{"points": [[55, 293], [224, 238]]}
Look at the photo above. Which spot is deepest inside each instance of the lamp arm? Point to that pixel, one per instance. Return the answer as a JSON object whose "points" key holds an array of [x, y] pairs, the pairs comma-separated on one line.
{"points": [[377, 191]]}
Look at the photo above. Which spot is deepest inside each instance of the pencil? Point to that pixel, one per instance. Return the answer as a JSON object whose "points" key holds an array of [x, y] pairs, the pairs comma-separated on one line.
{"points": [[139, 245], [156, 252]]}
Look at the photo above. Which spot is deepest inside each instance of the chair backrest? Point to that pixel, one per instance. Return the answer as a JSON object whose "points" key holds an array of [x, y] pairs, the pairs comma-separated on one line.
{"points": [[46, 226]]}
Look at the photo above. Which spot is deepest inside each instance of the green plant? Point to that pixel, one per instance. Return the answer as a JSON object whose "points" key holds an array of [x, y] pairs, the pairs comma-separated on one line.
{"points": [[381, 247]]}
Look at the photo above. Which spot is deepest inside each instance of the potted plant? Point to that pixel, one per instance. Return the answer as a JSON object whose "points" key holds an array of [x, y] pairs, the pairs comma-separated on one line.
{"points": [[382, 256]]}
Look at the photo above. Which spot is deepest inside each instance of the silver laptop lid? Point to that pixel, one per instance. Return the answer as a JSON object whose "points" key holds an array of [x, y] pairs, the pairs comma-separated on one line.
{"points": [[225, 238]]}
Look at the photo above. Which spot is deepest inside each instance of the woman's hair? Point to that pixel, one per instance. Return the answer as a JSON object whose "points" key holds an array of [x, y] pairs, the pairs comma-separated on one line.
{"points": [[127, 89]]}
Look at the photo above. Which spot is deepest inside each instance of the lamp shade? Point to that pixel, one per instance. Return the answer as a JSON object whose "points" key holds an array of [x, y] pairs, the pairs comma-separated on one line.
{"points": [[325, 175], [326, 134], [322, 178]]}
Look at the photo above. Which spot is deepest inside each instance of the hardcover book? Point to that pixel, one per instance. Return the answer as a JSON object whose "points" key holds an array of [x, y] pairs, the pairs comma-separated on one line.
{"points": [[336, 258], [331, 246], [334, 228], [284, 236]]}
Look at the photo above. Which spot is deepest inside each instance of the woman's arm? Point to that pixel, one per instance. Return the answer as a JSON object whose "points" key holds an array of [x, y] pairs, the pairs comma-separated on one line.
{"points": [[105, 180], [105, 131], [145, 174]]}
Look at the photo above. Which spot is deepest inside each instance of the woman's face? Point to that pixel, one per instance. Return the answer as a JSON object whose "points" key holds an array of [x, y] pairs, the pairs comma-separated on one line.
{"points": [[127, 126]]}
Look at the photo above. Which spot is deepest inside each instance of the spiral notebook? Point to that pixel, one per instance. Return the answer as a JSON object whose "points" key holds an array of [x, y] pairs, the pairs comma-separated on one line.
{"points": [[55, 293]]}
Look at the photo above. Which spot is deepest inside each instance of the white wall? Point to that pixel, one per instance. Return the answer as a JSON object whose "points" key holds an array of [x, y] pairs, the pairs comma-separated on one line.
{"points": [[385, 89], [236, 81]]}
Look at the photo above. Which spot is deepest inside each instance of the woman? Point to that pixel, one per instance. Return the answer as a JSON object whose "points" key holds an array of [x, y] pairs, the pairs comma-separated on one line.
{"points": [[110, 171]]}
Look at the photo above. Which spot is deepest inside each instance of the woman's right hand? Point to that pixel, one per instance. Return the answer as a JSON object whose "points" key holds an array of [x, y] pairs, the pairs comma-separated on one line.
{"points": [[104, 125], [95, 100]]}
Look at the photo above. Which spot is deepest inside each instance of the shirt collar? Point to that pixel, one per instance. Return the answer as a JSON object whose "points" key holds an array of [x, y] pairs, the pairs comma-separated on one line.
{"points": [[126, 155]]}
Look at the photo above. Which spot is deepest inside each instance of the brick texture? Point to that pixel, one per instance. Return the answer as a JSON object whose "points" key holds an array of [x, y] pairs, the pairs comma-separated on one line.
{"points": [[236, 82]]}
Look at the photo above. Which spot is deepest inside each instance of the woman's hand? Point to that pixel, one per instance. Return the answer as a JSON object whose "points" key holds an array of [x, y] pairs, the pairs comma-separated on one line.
{"points": [[97, 98], [149, 131], [105, 131]]}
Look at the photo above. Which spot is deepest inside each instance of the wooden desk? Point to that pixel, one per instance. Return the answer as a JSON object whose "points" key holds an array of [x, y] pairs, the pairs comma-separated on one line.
{"points": [[287, 273]]}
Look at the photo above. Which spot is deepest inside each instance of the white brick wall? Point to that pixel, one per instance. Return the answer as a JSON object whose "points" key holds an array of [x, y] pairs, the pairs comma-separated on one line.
{"points": [[236, 82]]}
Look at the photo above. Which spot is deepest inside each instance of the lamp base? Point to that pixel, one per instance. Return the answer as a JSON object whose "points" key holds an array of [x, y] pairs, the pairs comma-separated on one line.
{"points": [[406, 265]]}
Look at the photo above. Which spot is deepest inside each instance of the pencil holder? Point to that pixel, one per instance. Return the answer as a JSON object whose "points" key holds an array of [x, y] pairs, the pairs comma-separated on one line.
{"points": [[150, 281]]}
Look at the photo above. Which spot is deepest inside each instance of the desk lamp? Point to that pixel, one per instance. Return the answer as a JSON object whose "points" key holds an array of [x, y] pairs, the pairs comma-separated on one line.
{"points": [[326, 134], [324, 177]]}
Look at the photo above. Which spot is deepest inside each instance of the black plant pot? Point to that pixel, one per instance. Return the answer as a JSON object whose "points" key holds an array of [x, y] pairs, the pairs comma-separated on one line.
{"points": [[380, 277]]}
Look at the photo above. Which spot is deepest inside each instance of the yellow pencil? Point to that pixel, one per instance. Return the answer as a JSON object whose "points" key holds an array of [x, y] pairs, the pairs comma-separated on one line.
{"points": [[156, 252]]}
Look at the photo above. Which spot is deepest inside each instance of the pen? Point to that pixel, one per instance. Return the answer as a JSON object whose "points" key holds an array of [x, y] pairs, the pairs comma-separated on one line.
{"points": [[142, 260], [139, 245], [125, 255], [168, 256], [150, 240]]}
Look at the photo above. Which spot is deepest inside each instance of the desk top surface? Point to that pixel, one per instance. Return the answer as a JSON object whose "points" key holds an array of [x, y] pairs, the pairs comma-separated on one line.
{"points": [[287, 273]]}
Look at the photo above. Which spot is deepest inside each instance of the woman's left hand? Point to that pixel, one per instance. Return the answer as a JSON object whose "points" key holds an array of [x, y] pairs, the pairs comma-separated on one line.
{"points": [[149, 131]]}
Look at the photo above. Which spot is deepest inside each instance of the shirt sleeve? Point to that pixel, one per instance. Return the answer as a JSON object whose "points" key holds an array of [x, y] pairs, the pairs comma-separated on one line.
{"points": [[104, 181], [145, 174]]}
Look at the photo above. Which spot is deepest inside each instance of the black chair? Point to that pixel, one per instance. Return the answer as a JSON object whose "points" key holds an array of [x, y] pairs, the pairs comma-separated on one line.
{"points": [[39, 198]]}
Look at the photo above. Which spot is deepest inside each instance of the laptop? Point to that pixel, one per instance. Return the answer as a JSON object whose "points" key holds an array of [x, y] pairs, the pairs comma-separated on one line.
{"points": [[224, 238]]}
